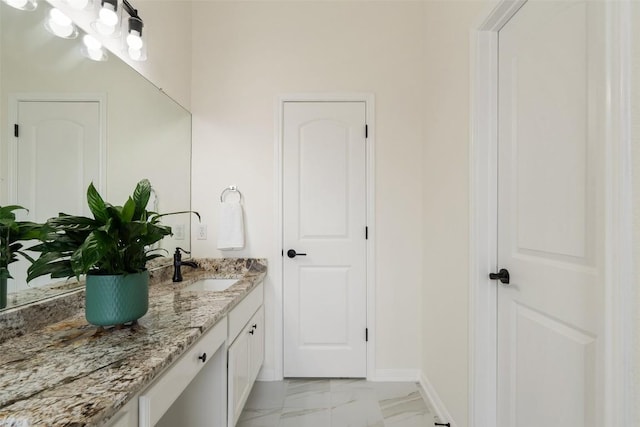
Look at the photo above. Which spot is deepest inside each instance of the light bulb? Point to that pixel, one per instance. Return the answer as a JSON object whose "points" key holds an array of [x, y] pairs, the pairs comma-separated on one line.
{"points": [[104, 29], [108, 15], [59, 18], [93, 48], [135, 54], [78, 4], [91, 42], [22, 4], [134, 41], [18, 4], [60, 25]]}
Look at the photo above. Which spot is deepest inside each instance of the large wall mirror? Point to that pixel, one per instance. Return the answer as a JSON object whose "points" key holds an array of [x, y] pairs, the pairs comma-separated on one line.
{"points": [[139, 133]]}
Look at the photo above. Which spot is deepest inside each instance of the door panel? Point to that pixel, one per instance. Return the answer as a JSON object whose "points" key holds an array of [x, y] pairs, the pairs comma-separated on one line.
{"points": [[324, 157], [550, 216], [54, 133], [324, 217]]}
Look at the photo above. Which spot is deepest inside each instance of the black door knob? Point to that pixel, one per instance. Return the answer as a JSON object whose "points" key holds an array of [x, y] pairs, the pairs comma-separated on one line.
{"points": [[291, 253], [203, 357], [502, 275]]}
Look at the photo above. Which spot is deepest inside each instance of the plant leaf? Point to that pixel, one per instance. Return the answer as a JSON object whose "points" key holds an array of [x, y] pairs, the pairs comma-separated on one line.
{"points": [[141, 196], [96, 204]]}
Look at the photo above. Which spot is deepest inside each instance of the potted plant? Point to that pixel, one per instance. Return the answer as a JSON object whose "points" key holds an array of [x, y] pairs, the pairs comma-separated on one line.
{"points": [[111, 249], [12, 232]]}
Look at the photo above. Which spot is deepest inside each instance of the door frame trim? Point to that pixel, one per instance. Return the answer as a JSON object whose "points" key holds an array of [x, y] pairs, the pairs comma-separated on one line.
{"points": [[12, 117], [618, 266], [277, 270]]}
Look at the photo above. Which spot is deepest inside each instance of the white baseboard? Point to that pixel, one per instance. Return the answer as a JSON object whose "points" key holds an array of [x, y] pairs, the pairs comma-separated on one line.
{"points": [[268, 375], [399, 375], [438, 406]]}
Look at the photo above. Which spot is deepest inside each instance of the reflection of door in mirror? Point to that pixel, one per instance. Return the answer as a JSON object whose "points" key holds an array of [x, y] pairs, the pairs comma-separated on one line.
{"points": [[52, 134]]}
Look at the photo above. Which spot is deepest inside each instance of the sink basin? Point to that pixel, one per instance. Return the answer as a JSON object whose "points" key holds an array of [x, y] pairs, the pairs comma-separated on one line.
{"points": [[211, 285]]}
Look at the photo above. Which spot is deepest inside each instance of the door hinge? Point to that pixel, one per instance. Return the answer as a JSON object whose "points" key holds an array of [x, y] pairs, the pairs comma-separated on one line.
{"points": [[16, 130], [366, 334], [366, 131], [366, 233], [282, 253]]}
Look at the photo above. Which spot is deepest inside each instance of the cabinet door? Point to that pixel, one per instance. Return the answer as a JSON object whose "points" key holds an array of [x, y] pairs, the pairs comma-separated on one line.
{"points": [[256, 348], [239, 374]]}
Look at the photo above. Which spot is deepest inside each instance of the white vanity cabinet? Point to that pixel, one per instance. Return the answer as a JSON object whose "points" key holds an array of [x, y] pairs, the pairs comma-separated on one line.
{"points": [[192, 390], [246, 352], [209, 384]]}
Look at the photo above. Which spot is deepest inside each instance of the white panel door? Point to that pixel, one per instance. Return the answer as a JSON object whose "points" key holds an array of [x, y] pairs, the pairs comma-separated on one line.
{"points": [[550, 216], [324, 218], [58, 156]]}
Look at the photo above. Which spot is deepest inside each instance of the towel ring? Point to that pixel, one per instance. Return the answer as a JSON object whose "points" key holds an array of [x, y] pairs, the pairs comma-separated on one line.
{"points": [[231, 188]]}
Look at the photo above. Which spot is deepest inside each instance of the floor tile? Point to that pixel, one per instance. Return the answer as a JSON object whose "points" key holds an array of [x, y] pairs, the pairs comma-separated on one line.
{"points": [[350, 384], [308, 400], [259, 418], [424, 420], [389, 390], [307, 394], [357, 413], [267, 395], [297, 386], [305, 418], [335, 403], [403, 407]]}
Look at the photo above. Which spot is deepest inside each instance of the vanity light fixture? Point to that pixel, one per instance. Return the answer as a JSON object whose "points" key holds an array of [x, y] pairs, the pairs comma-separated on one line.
{"points": [[107, 22], [134, 42], [92, 48], [60, 25], [108, 13], [22, 4]]}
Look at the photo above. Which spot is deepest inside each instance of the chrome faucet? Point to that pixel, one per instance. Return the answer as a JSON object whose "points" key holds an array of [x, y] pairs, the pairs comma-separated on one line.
{"points": [[177, 263]]}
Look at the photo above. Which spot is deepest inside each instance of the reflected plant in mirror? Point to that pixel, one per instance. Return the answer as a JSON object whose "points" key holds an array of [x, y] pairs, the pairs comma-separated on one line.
{"points": [[12, 234]]}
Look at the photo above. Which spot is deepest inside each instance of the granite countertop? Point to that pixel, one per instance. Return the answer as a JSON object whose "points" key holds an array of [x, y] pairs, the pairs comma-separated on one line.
{"points": [[70, 373]]}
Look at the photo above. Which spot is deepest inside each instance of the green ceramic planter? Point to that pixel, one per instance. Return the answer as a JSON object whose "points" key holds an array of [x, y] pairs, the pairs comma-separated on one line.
{"points": [[3, 292], [114, 300]]}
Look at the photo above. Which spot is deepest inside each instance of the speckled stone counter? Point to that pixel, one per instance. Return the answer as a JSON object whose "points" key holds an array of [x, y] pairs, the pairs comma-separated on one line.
{"points": [[70, 373]]}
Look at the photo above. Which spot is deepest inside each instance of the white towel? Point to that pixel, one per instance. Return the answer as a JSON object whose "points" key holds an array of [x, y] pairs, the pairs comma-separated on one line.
{"points": [[231, 227]]}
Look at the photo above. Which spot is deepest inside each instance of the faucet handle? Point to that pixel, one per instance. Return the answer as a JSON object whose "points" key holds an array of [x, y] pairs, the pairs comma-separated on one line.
{"points": [[178, 249]]}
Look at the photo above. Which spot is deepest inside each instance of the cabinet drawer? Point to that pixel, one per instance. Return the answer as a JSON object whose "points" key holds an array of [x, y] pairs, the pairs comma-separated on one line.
{"points": [[240, 315], [157, 399]]}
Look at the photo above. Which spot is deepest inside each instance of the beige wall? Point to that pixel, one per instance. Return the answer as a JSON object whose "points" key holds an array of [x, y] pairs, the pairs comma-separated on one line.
{"points": [[244, 55], [445, 296], [635, 132]]}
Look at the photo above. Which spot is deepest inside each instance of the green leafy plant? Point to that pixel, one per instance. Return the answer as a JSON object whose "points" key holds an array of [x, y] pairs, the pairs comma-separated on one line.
{"points": [[117, 240], [13, 232]]}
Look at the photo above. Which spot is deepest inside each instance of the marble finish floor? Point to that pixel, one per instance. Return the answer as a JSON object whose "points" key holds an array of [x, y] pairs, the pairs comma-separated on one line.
{"points": [[335, 403]]}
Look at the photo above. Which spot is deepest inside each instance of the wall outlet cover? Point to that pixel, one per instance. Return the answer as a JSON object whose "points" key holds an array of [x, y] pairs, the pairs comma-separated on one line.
{"points": [[178, 232], [202, 232]]}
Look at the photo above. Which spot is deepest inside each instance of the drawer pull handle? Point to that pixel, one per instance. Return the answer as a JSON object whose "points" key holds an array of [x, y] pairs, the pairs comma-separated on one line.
{"points": [[203, 357]]}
